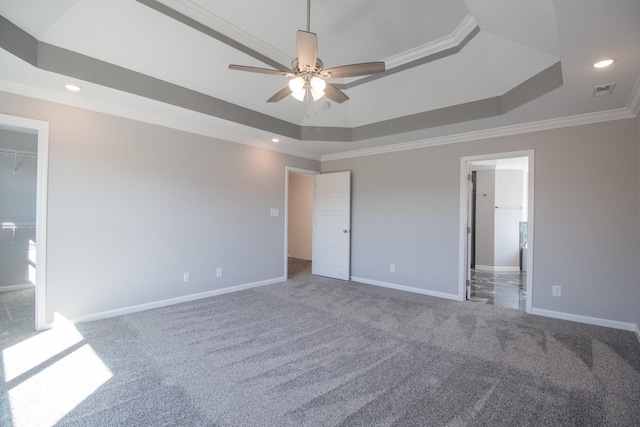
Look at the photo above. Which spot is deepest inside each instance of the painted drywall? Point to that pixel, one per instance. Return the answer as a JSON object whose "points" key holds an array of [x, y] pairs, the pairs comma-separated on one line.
{"points": [[300, 215], [17, 206], [406, 210], [132, 206], [507, 216], [485, 206]]}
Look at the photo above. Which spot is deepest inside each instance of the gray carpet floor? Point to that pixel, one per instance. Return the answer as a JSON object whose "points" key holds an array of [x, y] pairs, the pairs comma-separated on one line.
{"points": [[319, 352]]}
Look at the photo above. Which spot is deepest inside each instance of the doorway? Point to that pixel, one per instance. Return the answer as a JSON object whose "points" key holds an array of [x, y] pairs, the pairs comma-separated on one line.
{"points": [[298, 221], [325, 219], [25, 143], [496, 229]]}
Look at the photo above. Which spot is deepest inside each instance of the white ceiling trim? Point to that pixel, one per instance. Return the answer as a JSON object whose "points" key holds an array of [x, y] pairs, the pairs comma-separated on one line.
{"points": [[466, 27], [211, 20], [193, 11], [165, 120], [211, 131], [31, 92], [582, 119]]}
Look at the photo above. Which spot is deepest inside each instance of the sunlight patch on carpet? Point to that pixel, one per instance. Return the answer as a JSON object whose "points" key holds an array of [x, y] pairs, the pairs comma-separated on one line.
{"points": [[30, 353], [43, 396]]}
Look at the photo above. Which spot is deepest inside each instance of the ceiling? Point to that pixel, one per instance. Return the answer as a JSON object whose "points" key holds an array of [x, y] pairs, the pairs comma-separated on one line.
{"points": [[454, 67]]}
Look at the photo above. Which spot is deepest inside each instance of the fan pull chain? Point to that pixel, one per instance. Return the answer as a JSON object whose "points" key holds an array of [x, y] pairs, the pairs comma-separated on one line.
{"points": [[308, 97]]}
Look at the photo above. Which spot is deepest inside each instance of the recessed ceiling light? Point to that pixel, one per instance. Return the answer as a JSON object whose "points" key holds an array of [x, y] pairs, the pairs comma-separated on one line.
{"points": [[275, 140], [603, 63], [73, 88]]}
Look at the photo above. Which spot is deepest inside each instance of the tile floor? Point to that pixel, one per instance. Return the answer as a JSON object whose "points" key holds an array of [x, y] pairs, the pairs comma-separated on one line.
{"points": [[503, 289]]}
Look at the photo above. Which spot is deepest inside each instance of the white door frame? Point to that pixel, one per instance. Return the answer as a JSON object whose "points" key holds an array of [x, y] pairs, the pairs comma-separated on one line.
{"points": [[288, 170], [42, 129], [464, 190]]}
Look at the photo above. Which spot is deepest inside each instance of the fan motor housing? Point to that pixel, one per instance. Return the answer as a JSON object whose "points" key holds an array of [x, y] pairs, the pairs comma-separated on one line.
{"points": [[295, 66]]}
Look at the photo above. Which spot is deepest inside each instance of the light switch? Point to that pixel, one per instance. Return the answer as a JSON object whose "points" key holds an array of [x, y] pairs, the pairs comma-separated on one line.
{"points": [[275, 212]]}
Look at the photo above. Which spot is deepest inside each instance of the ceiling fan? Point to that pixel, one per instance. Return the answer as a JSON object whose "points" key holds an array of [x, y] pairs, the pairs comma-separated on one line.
{"points": [[307, 74]]}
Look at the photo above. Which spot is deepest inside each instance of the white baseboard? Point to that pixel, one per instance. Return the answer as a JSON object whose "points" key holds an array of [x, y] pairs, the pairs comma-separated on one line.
{"points": [[172, 301], [586, 319], [497, 268], [17, 287], [406, 288]]}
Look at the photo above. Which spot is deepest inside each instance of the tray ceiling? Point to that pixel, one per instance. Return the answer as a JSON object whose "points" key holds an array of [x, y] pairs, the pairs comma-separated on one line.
{"points": [[452, 66]]}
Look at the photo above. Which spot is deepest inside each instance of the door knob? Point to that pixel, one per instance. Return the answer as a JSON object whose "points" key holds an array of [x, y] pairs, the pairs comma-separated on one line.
{"points": [[345, 231]]}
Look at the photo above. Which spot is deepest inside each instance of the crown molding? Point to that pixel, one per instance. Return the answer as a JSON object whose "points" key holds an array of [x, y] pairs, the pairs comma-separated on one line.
{"points": [[203, 129], [577, 120], [213, 21], [199, 127], [464, 29], [193, 11]]}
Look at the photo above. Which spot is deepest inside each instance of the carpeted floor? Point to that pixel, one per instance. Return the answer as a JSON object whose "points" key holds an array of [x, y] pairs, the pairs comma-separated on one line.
{"points": [[320, 352]]}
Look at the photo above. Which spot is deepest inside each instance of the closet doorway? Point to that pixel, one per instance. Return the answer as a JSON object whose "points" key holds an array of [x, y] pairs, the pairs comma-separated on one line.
{"points": [[23, 190]]}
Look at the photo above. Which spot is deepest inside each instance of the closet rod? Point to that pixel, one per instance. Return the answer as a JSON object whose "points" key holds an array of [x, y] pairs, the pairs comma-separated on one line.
{"points": [[18, 225], [17, 153]]}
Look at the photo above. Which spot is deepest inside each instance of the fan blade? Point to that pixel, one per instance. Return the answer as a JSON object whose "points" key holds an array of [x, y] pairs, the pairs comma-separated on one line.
{"points": [[280, 95], [307, 47], [261, 70], [335, 94], [354, 70]]}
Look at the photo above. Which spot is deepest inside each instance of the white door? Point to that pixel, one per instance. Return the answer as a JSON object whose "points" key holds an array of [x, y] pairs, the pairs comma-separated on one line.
{"points": [[331, 251]]}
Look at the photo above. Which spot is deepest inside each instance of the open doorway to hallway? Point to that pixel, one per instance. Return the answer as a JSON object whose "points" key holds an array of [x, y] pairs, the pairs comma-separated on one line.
{"points": [[497, 262], [299, 221], [318, 221]]}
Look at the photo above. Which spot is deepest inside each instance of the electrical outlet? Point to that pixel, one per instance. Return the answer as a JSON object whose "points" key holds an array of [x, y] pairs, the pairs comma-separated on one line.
{"points": [[556, 291], [392, 268], [186, 277], [219, 272]]}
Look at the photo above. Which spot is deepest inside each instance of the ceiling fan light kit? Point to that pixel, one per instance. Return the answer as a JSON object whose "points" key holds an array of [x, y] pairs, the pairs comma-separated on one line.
{"points": [[298, 88], [317, 87], [307, 74]]}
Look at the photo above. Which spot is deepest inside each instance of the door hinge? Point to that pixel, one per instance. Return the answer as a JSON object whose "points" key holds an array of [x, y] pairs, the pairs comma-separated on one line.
{"points": [[469, 177], [468, 230]]}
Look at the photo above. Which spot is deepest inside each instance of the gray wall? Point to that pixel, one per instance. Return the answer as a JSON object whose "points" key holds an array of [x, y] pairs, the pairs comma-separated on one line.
{"points": [[131, 206], [406, 209], [17, 205], [300, 215], [485, 207]]}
